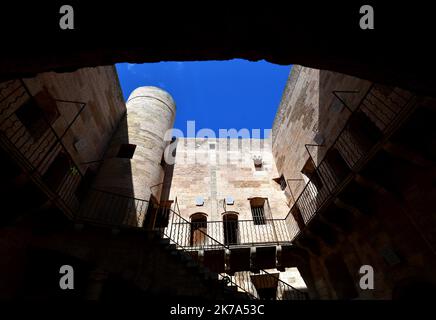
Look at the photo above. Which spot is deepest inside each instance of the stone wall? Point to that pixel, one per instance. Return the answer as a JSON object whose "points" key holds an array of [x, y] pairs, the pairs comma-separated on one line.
{"points": [[100, 90], [32, 262], [310, 114], [56, 127], [380, 219], [387, 239], [217, 168], [150, 113]]}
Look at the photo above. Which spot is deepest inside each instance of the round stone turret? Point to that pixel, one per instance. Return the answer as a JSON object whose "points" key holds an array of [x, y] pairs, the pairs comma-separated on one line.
{"points": [[132, 165]]}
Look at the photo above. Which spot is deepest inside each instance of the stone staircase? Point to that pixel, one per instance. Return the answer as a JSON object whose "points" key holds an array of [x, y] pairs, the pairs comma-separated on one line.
{"points": [[219, 287], [124, 264], [212, 258]]}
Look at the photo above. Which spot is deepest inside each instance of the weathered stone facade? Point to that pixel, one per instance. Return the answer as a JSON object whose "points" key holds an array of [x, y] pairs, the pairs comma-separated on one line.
{"points": [[218, 168], [309, 113], [378, 203], [366, 215], [100, 90], [87, 138], [150, 114]]}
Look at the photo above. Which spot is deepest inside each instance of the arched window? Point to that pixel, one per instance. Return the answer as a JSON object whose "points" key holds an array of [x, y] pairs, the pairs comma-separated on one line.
{"points": [[198, 229], [231, 228]]}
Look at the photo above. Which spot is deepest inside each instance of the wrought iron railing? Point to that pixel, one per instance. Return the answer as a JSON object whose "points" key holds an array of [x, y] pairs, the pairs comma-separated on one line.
{"points": [[37, 147], [234, 233], [368, 126], [111, 209], [267, 286], [181, 233], [174, 228]]}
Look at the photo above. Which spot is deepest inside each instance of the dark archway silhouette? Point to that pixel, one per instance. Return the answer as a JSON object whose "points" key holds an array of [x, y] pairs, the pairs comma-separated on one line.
{"points": [[198, 229], [324, 36]]}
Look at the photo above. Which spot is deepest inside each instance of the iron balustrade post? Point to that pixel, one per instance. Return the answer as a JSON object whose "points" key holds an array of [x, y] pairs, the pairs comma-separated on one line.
{"points": [[172, 218]]}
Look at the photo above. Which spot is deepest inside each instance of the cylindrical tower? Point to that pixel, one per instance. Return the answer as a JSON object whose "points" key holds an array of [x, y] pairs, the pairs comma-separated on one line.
{"points": [[132, 164]]}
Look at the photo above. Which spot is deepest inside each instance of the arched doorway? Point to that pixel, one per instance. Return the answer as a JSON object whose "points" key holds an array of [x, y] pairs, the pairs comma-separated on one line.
{"points": [[230, 228], [198, 229]]}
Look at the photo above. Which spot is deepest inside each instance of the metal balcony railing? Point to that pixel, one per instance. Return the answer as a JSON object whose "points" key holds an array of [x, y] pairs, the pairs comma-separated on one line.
{"points": [[36, 145], [368, 126], [267, 286], [180, 233], [232, 233], [371, 123], [105, 208], [112, 209]]}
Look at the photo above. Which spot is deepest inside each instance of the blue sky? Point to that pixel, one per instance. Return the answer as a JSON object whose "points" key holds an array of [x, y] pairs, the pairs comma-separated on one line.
{"points": [[215, 94]]}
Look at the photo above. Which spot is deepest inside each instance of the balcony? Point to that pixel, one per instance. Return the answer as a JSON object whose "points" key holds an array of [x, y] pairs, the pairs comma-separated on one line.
{"points": [[221, 247], [28, 135], [40, 151], [369, 127], [228, 247]]}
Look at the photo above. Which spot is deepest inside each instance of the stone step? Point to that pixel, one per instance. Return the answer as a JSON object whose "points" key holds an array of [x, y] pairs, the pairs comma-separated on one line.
{"points": [[185, 257], [153, 234], [194, 273], [213, 275], [174, 253], [164, 241], [192, 264], [171, 247], [232, 288]]}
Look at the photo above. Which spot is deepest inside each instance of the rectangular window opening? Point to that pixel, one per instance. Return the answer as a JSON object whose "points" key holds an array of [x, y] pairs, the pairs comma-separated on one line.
{"points": [[258, 163], [258, 210]]}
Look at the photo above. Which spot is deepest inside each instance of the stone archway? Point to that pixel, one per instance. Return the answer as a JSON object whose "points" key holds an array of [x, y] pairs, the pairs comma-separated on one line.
{"points": [[198, 232], [254, 33]]}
